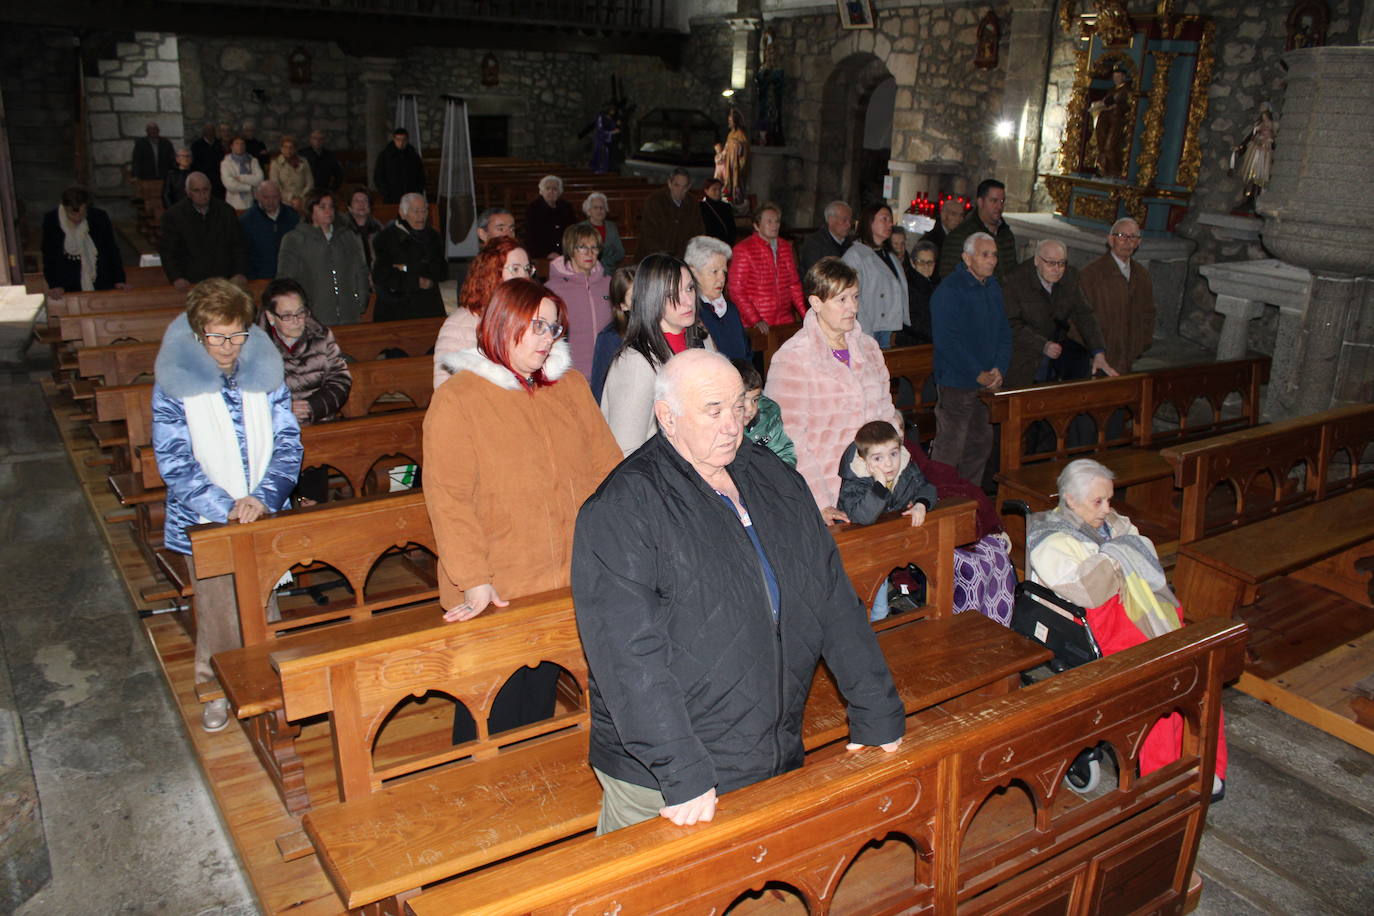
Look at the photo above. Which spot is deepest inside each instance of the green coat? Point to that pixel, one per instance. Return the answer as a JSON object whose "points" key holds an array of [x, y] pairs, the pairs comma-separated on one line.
{"points": [[766, 430]]}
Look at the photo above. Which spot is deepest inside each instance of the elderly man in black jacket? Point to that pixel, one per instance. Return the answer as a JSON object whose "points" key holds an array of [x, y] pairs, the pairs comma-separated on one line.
{"points": [[201, 238], [707, 588], [408, 265], [1054, 332]]}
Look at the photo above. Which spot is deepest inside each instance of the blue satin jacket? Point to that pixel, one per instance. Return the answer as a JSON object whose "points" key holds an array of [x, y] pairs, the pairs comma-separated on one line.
{"points": [[190, 494]]}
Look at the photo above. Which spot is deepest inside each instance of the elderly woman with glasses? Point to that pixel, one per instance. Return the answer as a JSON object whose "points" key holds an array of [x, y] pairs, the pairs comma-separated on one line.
{"points": [[513, 444], [227, 444], [583, 284], [598, 208], [501, 259]]}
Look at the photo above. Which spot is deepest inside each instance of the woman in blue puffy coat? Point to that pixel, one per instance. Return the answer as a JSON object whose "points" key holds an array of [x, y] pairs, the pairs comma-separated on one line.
{"points": [[228, 446]]}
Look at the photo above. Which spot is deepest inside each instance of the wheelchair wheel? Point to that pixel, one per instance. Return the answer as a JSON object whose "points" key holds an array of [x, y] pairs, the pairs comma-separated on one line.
{"points": [[1085, 772]]}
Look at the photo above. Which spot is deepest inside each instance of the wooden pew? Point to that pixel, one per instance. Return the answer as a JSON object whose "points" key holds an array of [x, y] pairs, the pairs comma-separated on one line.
{"points": [[1131, 451], [915, 365], [1290, 513], [261, 552], [147, 325], [521, 795], [768, 344], [127, 300], [123, 364], [952, 791], [411, 377]]}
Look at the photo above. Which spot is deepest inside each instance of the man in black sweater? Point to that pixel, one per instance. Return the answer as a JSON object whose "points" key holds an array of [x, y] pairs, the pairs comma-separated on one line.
{"points": [[399, 171], [324, 166], [201, 238]]}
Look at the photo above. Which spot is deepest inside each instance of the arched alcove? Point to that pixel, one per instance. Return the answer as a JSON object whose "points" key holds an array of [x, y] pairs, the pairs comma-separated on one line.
{"points": [[853, 89]]}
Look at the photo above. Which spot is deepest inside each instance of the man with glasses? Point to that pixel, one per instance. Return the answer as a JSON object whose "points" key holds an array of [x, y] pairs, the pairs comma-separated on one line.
{"points": [[408, 265], [1054, 334], [201, 238], [1122, 296]]}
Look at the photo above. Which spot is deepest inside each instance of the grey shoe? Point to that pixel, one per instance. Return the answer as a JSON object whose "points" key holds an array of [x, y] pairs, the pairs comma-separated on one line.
{"points": [[215, 715]]}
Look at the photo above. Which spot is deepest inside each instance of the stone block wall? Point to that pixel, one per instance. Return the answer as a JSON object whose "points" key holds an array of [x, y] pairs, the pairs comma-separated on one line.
{"points": [[138, 83], [235, 79], [38, 73], [1249, 44]]}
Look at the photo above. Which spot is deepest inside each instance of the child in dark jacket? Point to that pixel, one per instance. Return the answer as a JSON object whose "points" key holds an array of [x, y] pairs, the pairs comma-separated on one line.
{"points": [[763, 416], [877, 476]]}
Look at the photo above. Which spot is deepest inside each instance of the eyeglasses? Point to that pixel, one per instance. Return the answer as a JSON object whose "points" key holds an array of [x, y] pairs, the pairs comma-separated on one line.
{"points": [[925, 262], [1056, 264], [291, 316], [588, 249], [526, 270], [540, 327], [234, 340], [1126, 236]]}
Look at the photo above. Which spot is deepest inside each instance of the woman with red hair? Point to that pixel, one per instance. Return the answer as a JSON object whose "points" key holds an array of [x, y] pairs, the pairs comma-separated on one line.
{"points": [[514, 443], [500, 259]]}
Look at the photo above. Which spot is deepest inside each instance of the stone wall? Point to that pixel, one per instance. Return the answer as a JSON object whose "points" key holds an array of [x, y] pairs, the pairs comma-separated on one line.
{"points": [[1249, 43], [138, 82], [38, 73], [237, 79]]}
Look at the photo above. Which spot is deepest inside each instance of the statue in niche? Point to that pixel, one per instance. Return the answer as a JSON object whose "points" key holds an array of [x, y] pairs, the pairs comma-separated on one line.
{"points": [[768, 83], [604, 132], [298, 64], [1113, 23], [1255, 154], [1307, 22], [736, 160], [1110, 115], [491, 70], [989, 37]]}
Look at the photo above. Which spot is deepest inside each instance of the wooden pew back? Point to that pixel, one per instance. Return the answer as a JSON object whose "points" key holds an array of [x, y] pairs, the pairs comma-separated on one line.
{"points": [[102, 302], [469, 662], [411, 377], [123, 364], [132, 404], [146, 325], [1128, 850], [871, 552], [350, 536], [353, 448], [1182, 386], [768, 344], [1015, 410], [917, 366], [1269, 469]]}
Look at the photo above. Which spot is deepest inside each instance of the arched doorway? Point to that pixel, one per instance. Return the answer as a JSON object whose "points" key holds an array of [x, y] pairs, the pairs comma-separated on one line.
{"points": [[849, 165]]}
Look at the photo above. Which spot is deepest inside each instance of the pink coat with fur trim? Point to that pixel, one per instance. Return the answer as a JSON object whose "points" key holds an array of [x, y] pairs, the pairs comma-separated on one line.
{"points": [[824, 402]]}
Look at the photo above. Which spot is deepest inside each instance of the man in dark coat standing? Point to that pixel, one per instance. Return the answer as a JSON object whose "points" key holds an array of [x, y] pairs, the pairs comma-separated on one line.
{"points": [[408, 265], [668, 220], [264, 225], [399, 171], [201, 238], [831, 240], [324, 166], [707, 588], [1049, 315], [986, 217], [153, 154]]}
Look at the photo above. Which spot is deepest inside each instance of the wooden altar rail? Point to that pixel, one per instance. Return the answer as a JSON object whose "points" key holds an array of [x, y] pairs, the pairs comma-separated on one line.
{"points": [[1129, 850]]}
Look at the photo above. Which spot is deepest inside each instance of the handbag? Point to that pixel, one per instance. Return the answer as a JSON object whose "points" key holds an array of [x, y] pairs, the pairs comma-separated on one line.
{"points": [[1059, 625]]}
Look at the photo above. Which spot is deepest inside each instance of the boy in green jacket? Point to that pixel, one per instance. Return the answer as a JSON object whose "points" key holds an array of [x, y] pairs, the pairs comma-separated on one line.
{"points": [[762, 416]]}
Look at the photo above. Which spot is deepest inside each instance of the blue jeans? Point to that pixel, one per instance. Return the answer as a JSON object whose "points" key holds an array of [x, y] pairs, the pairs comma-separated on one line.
{"points": [[880, 606]]}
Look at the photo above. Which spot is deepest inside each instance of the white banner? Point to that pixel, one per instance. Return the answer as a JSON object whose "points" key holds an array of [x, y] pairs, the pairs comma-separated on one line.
{"points": [[457, 194]]}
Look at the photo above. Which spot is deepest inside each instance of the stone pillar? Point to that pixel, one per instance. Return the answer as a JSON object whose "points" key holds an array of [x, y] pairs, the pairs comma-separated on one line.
{"points": [[1235, 332], [377, 79], [1319, 168], [1023, 101]]}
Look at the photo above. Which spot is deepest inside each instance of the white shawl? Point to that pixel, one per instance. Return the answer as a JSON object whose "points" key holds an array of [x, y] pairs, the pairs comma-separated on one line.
{"points": [[215, 443], [76, 242]]}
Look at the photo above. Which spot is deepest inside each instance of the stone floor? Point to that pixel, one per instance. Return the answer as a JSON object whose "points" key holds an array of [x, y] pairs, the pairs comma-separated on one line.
{"points": [[131, 828]]}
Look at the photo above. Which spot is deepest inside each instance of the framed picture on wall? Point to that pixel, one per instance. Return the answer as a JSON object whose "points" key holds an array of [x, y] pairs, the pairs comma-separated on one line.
{"points": [[855, 14]]}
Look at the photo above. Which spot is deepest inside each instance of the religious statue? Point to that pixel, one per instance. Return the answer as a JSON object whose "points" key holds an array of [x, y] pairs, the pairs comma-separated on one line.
{"points": [[1113, 23], [1307, 23], [604, 132], [736, 159], [298, 64], [1111, 112], [989, 37], [1256, 153], [491, 70]]}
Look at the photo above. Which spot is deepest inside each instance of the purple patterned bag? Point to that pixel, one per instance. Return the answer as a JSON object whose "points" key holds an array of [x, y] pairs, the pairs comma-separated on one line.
{"points": [[984, 579]]}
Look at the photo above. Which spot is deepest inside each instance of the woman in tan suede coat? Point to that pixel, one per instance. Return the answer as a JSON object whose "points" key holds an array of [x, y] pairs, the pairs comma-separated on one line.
{"points": [[514, 443]]}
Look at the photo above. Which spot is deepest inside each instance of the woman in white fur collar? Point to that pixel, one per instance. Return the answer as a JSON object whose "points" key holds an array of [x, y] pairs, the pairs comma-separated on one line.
{"points": [[227, 444]]}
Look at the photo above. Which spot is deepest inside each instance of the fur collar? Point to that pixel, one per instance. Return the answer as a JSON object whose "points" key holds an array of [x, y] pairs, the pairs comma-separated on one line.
{"points": [[184, 369], [858, 467], [475, 361]]}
